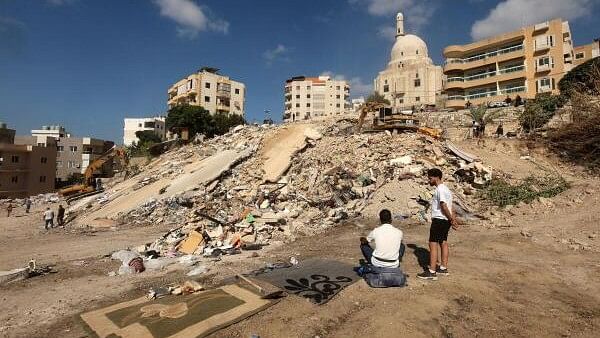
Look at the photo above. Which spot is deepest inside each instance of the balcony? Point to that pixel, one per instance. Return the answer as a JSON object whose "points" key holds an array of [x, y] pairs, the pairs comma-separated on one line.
{"points": [[541, 26], [474, 80], [544, 89], [542, 68], [542, 46], [223, 93], [500, 55]]}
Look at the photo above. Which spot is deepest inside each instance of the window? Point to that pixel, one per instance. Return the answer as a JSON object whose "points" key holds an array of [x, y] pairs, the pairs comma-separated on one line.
{"points": [[337, 87], [385, 82], [307, 87], [41, 145], [545, 61], [386, 88], [73, 149], [337, 96], [308, 96], [297, 105], [308, 105], [59, 164], [400, 100], [580, 55], [60, 148], [417, 82], [190, 84], [297, 87], [237, 90], [207, 99], [44, 160], [417, 99], [14, 179], [297, 96], [401, 53], [337, 105], [545, 82], [14, 159], [417, 52], [42, 179], [417, 75], [207, 85], [72, 164]]}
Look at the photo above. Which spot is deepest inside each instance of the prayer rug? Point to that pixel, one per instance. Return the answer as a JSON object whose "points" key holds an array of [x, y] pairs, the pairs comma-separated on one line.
{"points": [[195, 315], [316, 279]]}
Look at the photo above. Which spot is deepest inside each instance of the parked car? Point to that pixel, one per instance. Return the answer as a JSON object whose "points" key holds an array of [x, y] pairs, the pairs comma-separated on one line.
{"points": [[497, 104]]}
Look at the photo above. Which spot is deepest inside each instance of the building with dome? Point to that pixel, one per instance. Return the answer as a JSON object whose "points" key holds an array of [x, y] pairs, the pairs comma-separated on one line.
{"points": [[411, 78]]}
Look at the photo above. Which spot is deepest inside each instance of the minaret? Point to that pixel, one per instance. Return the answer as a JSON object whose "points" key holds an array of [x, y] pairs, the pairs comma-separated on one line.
{"points": [[399, 25]]}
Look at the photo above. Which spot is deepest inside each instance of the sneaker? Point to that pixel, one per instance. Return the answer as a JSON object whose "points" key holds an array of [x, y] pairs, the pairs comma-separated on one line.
{"points": [[443, 272], [427, 275]]}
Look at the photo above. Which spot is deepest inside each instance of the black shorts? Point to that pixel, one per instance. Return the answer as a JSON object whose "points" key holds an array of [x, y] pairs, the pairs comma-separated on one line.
{"points": [[439, 230]]}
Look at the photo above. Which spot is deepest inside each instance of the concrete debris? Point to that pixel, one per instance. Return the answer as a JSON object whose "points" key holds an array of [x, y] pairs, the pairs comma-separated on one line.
{"points": [[259, 184]]}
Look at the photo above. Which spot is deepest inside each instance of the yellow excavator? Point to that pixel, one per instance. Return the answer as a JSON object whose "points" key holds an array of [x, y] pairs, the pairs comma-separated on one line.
{"points": [[89, 186], [386, 118]]}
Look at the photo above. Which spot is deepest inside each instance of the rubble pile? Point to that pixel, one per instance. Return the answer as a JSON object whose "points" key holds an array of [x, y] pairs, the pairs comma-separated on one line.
{"points": [[338, 175]]}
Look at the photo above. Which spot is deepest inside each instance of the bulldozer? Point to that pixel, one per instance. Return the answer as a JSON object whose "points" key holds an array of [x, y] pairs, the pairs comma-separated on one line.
{"points": [[89, 186], [387, 118]]}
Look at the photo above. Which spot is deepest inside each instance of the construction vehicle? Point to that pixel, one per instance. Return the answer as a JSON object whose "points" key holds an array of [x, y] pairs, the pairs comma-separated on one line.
{"points": [[89, 186], [386, 118]]}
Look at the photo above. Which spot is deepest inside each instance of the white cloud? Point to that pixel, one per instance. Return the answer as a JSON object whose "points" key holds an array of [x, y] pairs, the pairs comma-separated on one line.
{"points": [[280, 52], [510, 15], [357, 86], [190, 17], [417, 13]]}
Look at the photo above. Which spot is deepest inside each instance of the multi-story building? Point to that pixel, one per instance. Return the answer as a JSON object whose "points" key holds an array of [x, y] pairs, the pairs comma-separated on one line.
{"points": [[133, 125], [214, 92], [587, 52], [74, 154], [525, 62], [410, 78], [25, 169], [315, 97]]}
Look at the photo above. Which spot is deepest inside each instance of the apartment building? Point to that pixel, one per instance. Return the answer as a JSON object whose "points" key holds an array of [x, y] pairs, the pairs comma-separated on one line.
{"points": [[587, 52], [315, 97], [25, 169], [525, 62], [74, 154], [411, 79], [133, 125], [214, 92]]}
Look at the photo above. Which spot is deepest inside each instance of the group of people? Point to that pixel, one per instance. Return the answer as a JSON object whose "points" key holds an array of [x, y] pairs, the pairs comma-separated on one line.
{"points": [[382, 267], [49, 217], [48, 214]]}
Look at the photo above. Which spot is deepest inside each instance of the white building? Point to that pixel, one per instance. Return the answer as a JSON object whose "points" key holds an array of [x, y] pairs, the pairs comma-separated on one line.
{"points": [[214, 92], [411, 78], [315, 97], [133, 125]]}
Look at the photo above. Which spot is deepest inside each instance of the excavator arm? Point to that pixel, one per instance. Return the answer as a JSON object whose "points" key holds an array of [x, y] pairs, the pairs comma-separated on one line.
{"points": [[365, 109]]}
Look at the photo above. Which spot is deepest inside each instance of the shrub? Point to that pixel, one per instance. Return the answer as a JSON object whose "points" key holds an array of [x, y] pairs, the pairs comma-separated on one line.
{"points": [[198, 120], [502, 193], [540, 110]]}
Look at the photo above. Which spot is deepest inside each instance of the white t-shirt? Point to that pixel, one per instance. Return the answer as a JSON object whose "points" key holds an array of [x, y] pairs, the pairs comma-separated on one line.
{"points": [[442, 194], [387, 245], [48, 215]]}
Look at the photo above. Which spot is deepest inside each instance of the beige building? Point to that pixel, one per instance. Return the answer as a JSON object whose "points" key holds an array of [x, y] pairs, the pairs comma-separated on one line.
{"points": [[25, 169], [525, 62], [315, 97], [133, 125], [586, 52], [410, 79], [214, 92], [74, 154]]}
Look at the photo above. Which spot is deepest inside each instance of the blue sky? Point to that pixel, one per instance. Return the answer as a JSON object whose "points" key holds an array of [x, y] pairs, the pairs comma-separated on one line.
{"points": [[87, 64]]}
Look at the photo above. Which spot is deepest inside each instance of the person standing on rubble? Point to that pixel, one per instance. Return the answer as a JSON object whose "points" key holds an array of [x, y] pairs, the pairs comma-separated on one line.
{"points": [[27, 204], [9, 209], [49, 218], [60, 216], [442, 218]]}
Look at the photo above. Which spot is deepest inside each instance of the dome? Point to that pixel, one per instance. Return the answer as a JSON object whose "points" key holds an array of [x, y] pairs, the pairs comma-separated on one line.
{"points": [[408, 47]]}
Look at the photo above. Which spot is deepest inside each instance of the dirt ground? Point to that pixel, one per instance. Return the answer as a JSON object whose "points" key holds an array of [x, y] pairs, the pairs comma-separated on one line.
{"points": [[527, 271]]}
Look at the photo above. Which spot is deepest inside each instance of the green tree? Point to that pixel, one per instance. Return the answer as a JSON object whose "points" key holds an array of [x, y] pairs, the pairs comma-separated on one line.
{"points": [[481, 115], [581, 79], [540, 110], [147, 137], [376, 97], [198, 120]]}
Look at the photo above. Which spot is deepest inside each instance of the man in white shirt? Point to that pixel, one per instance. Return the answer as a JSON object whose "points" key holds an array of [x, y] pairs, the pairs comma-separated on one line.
{"points": [[49, 218], [442, 218], [389, 248]]}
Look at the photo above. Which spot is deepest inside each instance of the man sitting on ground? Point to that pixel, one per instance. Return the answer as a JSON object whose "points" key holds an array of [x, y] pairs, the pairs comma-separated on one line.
{"points": [[384, 261]]}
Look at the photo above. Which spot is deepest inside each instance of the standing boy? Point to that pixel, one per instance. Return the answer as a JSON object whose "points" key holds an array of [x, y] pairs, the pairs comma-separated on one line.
{"points": [[442, 218], [49, 218]]}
